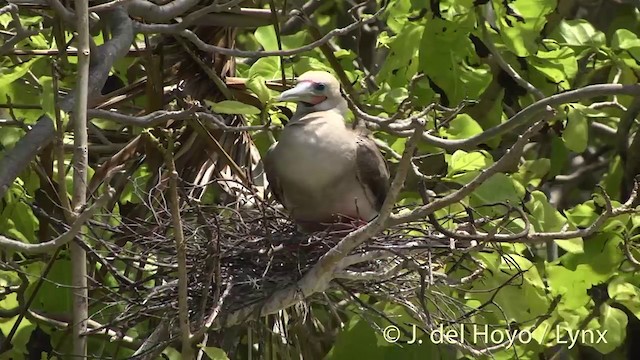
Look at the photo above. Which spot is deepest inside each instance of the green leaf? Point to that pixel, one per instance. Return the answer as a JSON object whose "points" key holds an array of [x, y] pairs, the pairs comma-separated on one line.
{"points": [[233, 107], [356, 341], [576, 133], [614, 322], [528, 285], [25, 328], [307, 63], [582, 215], [215, 353], [266, 36], [400, 63], [462, 127], [5, 19], [624, 39], [448, 58], [392, 99], [521, 22], [462, 161], [626, 294], [572, 285], [258, 86], [54, 295], [9, 74], [47, 98], [499, 188], [531, 172], [560, 65], [267, 67], [579, 33]]}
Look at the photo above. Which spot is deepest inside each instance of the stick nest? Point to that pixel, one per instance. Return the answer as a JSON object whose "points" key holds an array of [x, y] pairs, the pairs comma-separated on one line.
{"points": [[252, 252]]}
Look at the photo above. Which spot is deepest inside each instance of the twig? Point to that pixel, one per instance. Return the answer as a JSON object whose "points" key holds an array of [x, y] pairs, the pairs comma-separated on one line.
{"points": [[158, 117], [183, 281]]}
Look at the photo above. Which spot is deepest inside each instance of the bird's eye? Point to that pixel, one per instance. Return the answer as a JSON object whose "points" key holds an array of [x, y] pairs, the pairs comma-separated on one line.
{"points": [[319, 87]]}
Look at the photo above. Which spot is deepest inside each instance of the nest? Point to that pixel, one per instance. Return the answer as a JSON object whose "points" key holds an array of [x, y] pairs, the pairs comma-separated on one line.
{"points": [[239, 256]]}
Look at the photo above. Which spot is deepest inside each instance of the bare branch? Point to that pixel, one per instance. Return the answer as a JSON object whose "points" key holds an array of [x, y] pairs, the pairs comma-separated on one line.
{"points": [[45, 247], [159, 13], [510, 156], [21, 32], [189, 35], [80, 291], [526, 115]]}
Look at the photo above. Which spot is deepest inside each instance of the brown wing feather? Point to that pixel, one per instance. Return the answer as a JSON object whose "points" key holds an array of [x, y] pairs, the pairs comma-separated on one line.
{"points": [[372, 169], [272, 176]]}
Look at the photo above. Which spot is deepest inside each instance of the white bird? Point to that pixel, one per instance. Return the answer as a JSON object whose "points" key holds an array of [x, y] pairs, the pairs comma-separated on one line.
{"points": [[320, 170]]}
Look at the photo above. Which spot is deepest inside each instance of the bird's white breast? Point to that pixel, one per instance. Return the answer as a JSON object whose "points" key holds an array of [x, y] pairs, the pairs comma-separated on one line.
{"points": [[316, 154]]}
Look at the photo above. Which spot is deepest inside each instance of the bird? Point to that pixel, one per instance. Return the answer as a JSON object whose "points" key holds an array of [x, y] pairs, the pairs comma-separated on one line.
{"points": [[320, 170]]}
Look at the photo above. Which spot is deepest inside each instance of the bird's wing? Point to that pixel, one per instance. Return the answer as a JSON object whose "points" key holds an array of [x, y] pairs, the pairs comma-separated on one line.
{"points": [[272, 174], [371, 169]]}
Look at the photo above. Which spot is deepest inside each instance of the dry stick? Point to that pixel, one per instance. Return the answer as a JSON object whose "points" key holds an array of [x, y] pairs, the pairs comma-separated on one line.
{"points": [[59, 151], [80, 163], [174, 203], [214, 314]]}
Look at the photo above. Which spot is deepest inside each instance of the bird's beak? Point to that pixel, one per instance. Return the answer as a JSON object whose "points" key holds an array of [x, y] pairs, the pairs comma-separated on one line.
{"points": [[301, 92]]}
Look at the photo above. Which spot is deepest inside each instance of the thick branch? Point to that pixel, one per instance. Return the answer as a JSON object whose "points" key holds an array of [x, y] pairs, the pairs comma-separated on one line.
{"points": [[18, 158], [159, 13], [105, 55]]}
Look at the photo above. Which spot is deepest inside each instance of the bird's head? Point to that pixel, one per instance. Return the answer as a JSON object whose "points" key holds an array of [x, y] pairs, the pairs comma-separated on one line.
{"points": [[316, 91]]}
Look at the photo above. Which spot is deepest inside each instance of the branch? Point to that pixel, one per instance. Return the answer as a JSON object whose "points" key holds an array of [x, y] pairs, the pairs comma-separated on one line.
{"points": [[21, 32], [158, 117], [80, 290], [504, 65], [105, 55], [189, 35], [45, 247], [18, 158], [509, 157], [609, 212], [524, 116], [159, 13], [183, 280]]}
